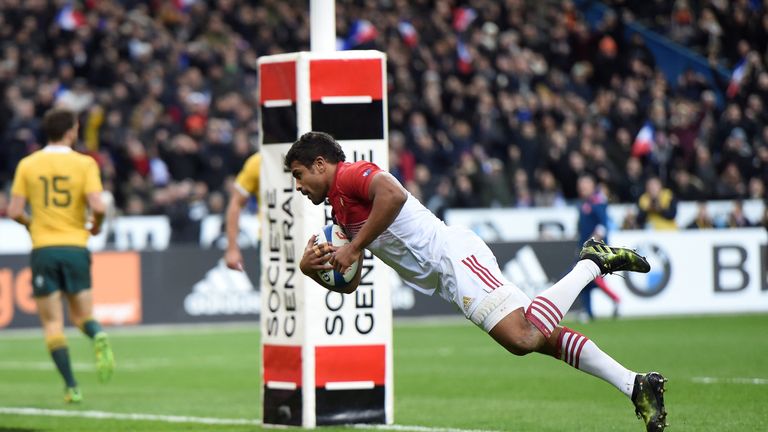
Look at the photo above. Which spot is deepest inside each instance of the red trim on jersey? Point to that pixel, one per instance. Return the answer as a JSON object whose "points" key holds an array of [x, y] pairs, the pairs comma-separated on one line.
{"points": [[470, 265], [485, 270]]}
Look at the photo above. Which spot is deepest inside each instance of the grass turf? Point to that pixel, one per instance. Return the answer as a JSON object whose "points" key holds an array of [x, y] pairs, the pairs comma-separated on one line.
{"points": [[446, 376]]}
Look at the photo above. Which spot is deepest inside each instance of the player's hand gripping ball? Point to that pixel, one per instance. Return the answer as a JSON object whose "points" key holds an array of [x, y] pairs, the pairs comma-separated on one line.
{"points": [[334, 235]]}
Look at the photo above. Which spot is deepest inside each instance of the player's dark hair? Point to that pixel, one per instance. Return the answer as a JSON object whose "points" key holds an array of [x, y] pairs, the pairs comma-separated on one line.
{"points": [[56, 122], [311, 145]]}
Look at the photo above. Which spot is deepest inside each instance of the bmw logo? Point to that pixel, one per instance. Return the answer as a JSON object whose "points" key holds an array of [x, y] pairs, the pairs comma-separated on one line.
{"points": [[651, 283]]}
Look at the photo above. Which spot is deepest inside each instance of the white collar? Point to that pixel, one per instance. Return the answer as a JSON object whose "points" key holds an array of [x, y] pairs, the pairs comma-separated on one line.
{"points": [[57, 148]]}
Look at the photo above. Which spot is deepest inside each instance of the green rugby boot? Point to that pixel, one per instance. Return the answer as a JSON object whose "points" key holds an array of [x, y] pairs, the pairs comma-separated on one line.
{"points": [[72, 395], [613, 259], [105, 360], [648, 397]]}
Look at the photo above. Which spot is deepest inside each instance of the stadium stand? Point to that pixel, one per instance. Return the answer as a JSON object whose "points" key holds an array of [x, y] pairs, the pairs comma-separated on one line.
{"points": [[491, 103]]}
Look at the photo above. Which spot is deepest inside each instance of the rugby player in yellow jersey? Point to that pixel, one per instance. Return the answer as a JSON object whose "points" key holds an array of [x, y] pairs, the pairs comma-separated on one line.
{"points": [[60, 185], [246, 184]]}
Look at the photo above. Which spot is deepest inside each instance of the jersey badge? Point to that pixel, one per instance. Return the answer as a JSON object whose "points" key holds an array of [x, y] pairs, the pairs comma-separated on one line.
{"points": [[467, 303]]}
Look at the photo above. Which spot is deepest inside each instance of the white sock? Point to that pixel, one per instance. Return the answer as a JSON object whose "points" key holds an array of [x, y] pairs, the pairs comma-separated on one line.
{"points": [[548, 308], [580, 352]]}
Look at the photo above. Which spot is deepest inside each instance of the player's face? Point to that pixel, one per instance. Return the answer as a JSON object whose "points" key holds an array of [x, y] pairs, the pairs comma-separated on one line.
{"points": [[310, 181], [586, 187]]}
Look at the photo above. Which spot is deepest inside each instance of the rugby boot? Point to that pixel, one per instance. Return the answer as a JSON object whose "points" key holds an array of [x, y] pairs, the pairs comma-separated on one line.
{"points": [[613, 259], [72, 395], [105, 359], [648, 397]]}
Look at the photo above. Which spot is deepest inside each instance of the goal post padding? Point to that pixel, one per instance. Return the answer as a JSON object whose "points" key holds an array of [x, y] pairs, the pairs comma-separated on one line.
{"points": [[326, 357]]}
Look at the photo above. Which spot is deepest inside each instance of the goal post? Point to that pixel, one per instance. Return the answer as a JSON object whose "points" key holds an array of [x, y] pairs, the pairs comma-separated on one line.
{"points": [[326, 357]]}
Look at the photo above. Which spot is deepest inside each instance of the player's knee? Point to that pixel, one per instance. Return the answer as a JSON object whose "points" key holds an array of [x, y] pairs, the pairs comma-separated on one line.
{"points": [[527, 341], [517, 335], [52, 328], [522, 344], [518, 349]]}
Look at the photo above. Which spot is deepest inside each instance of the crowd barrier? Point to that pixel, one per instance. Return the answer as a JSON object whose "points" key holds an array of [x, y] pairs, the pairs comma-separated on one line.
{"points": [[693, 272], [181, 284], [527, 224]]}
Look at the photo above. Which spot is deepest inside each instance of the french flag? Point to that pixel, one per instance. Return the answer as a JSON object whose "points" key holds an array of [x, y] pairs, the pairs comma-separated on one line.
{"points": [[362, 31], [464, 64], [408, 33], [70, 19], [737, 76], [183, 5], [462, 18], [644, 142]]}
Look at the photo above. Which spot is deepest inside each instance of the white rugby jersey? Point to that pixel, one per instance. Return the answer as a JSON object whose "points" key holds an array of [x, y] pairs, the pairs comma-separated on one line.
{"points": [[413, 245]]}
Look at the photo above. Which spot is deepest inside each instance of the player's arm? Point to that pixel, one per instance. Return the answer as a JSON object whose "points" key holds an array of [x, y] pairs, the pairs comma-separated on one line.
{"points": [[233, 257], [388, 198], [16, 210], [98, 210], [315, 258]]}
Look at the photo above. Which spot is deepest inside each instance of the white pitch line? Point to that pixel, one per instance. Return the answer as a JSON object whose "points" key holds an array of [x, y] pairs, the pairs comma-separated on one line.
{"points": [[716, 380], [126, 416], [415, 428], [104, 415]]}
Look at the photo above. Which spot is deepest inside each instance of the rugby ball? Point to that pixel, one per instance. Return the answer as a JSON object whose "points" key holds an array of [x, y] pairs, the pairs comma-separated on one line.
{"points": [[334, 235]]}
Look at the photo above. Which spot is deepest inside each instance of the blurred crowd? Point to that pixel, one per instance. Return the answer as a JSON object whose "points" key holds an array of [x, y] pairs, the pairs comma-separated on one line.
{"points": [[491, 102]]}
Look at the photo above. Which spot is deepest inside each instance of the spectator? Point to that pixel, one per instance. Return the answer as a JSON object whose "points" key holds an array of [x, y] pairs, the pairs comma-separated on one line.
{"points": [[703, 220], [764, 220], [593, 223], [629, 222], [736, 217], [657, 207], [182, 84]]}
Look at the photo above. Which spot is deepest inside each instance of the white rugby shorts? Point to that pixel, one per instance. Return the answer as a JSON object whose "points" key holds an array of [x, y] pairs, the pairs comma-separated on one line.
{"points": [[472, 277]]}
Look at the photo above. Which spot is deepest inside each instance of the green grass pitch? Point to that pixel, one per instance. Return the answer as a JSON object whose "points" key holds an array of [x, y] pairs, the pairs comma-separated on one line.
{"points": [[448, 376]]}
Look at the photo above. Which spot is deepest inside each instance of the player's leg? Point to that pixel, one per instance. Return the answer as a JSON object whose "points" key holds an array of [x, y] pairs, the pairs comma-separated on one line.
{"points": [[519, 336], [49, 310], [46, 284], [77, 274], [81, 310], [549, 307], [646, 391]]}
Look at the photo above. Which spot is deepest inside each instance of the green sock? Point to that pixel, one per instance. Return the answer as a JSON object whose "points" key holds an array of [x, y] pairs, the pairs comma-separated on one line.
{"points": [[61, 359], [91, 327]]}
